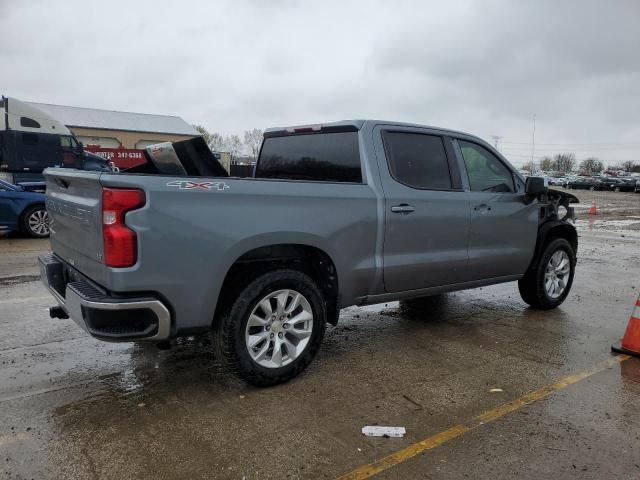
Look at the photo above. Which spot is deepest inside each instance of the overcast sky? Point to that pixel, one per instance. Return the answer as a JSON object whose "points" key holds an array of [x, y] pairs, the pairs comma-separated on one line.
{"points": [[482, 67]]}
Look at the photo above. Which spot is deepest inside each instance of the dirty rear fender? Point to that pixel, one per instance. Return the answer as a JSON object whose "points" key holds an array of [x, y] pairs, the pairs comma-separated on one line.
{"points": [[245, 245]]}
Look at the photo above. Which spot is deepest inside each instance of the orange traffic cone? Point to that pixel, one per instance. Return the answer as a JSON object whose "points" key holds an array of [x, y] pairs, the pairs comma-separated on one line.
{"points": [[631, 341], [593, 209]]}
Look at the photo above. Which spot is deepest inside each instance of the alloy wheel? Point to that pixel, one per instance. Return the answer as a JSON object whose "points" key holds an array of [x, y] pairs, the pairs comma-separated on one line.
{"points": [[557, 273], [39, 222], [279, 328]]}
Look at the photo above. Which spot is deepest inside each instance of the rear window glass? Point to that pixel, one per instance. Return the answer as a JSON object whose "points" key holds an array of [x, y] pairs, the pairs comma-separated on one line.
{"points": [[328, 157]]}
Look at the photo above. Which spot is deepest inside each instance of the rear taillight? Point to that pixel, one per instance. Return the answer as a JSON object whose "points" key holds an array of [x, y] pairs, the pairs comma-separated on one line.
{"points": [[120, 245]]}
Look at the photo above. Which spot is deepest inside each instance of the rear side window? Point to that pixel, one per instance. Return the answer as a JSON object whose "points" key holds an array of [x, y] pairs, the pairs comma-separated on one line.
{"points": [[486, 172], [328, 157], [418, 160]]}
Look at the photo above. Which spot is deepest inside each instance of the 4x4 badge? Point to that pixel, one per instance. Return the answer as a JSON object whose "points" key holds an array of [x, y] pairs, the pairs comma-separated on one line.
{"points": [[189, 185]]}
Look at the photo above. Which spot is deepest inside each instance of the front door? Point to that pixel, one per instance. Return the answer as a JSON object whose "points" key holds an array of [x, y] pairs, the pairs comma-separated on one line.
{"points": [[503, 226], [426, 210]]}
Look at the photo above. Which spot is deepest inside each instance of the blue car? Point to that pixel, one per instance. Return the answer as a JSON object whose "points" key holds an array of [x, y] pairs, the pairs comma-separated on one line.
{"points": [[22, 210]]}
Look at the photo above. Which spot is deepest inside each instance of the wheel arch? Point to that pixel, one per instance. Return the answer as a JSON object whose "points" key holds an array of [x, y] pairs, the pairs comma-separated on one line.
{"points": [[550, 231], [303, 256]]}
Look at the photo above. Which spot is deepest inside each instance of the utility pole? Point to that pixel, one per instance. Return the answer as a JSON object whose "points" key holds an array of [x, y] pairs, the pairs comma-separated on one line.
{"points": [[496, 139], [533, 142]]}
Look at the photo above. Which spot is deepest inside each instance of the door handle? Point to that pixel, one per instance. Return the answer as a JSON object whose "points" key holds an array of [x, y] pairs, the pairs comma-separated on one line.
{"points": [[402, 208], [483, 208]]}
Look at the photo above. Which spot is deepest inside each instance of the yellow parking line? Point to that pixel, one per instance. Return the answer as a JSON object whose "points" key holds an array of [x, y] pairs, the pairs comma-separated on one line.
{"points": [[438, 439]]}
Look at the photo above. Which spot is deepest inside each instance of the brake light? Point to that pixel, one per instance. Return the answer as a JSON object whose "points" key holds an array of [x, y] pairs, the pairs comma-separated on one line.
{"points": [[120, 242], [305, 129]]}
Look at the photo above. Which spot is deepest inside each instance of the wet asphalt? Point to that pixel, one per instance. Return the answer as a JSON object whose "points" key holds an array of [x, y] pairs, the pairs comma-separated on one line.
{"points": [[74, 407]]}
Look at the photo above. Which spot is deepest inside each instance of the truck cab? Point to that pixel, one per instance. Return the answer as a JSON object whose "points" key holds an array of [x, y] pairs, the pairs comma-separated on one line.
{"points": [[31, 140]]}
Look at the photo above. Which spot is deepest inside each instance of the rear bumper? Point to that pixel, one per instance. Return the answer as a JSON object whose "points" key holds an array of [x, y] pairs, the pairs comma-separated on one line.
{"points": [[106, 317]]}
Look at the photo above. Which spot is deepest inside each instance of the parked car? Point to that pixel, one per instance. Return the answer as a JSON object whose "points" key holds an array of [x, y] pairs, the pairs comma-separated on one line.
{"points": [[39, 187], [585, 183], [557, 181], [349, 213], [624, 185], [22, 210], [608, 183]]}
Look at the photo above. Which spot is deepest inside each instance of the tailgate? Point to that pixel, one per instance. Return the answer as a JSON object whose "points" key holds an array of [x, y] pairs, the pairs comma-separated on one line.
{"points": [[74, 204]]}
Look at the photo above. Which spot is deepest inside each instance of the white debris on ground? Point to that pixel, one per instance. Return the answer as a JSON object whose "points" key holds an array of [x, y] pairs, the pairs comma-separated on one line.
{"points": [[380, 431]]}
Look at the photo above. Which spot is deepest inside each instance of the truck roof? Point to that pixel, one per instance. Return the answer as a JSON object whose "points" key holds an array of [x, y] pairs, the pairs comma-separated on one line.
{"points": [[357, 124], [19, 115]]}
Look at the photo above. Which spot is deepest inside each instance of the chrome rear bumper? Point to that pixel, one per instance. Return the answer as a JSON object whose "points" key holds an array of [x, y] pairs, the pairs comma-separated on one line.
{"points": [[104, 316]]}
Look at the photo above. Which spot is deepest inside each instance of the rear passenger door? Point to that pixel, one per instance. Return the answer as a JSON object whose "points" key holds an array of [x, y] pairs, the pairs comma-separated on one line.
{"points": [[503, 227], [426, 210]]}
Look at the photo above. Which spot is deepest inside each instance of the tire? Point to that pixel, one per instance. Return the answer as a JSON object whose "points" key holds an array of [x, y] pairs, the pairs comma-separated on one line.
{"points": [[617, 189], [35, 222], [232, 332], [592, 188], [532, 286]]}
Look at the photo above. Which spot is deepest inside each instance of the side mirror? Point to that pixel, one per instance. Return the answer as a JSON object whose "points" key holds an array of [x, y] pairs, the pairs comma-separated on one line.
{"points": [[534, 186]]}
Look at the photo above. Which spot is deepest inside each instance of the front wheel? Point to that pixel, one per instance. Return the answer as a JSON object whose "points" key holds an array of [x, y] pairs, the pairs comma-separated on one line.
{"points": [[547, 285], [273, 328]]}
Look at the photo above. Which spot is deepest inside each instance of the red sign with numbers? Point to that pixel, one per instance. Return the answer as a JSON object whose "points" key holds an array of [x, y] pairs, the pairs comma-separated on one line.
{"points": [[121, 157]]}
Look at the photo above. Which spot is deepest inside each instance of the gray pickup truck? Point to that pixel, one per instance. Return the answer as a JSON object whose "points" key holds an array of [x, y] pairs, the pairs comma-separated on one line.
{"points": [[335, 215]]}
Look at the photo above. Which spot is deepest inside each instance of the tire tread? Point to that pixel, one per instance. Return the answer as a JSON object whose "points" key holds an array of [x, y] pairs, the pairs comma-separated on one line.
{"points": [[226, 328]]}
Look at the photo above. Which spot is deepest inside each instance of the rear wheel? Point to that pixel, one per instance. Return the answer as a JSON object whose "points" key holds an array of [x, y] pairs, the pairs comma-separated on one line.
{"points": [[547, 285], [273, 329], [35, 222]]}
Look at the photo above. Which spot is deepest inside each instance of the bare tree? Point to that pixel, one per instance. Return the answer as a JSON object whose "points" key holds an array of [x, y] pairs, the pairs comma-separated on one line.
{"points": [[530, 166], [564, 162], [591, 166], [216, 144], [253, 140], [628, 166], [546, 164], [204, 132], [233, 145], [215, 141]]}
